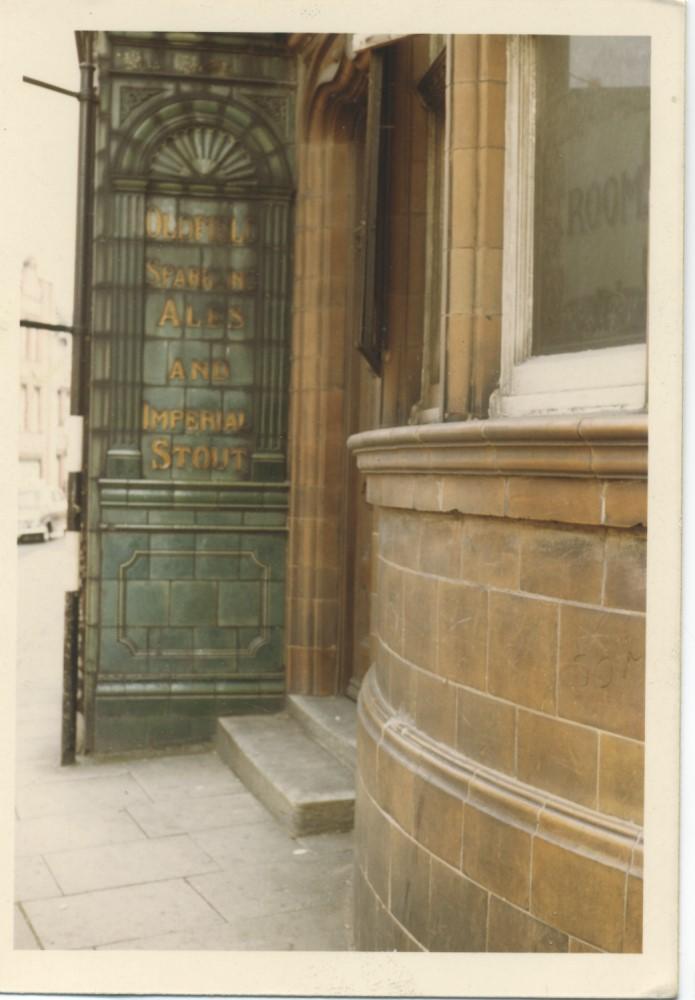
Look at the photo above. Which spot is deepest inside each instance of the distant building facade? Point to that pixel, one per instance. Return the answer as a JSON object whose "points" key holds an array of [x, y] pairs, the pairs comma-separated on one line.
{"points": [[448, 524], [44, 385]]}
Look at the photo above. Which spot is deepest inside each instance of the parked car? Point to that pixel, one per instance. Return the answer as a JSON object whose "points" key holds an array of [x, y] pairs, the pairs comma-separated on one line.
{"points": [[42, 512]]}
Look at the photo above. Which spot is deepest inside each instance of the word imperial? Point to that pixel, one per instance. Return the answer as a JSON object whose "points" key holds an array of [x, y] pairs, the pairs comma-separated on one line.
{"points": [[191, 421]]}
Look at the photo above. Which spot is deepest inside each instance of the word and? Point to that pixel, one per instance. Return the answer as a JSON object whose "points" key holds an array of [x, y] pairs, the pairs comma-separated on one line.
{"points": [[218, 371], [192, 421], [615, 201], [182, 456], [165, 275], [211, 317], [199, 228]]}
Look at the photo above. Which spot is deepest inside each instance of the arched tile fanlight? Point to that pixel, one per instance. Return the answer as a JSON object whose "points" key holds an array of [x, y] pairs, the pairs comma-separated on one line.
{"points": [[204, 140]]}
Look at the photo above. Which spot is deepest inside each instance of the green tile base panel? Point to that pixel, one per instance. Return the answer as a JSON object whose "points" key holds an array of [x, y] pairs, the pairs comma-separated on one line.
{"points": [[185, 619], [158, 723]]}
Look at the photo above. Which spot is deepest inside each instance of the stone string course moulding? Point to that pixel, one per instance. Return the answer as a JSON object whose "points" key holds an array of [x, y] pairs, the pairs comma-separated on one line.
{"points": [[501, 724]]}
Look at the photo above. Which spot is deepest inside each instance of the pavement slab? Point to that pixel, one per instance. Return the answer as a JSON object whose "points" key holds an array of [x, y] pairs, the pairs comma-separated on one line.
{"points": [[318, 928], [328, 843], [234, 845], [197, 775], [152, 852], [140, 861], [44, 770], [257, 890], [44, 746], [47, 834], [59, 797], [186, 815], [33, 880], [24, 937], [97, 918]]}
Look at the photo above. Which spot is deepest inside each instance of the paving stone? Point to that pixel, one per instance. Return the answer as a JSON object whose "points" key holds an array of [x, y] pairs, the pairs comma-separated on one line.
{"points": [[33, 698], [45, 747], [98, 918], [46, 834], [24, 937], [177, 776], [317, 928], [33, 880], [234, 845], [185, 815], [39, 771], [141, 861], [328, 843], [103, 822], [60, 797], [261, 889], [39, 711], [36, 772]]}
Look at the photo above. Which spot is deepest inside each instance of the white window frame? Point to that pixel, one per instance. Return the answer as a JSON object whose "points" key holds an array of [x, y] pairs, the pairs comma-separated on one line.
{"points": [[611, 378]]}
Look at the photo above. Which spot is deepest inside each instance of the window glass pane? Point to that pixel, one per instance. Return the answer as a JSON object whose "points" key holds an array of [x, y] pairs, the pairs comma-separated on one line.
{"points": [[591, 193]]}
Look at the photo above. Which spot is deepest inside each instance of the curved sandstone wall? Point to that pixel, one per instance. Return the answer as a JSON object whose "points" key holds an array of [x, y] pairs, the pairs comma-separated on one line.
{"points": [[500, 764]]}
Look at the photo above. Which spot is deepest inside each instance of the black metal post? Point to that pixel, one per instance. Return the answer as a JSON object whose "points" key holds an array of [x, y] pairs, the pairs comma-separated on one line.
{"points": [[73, 656], [70, 678], [84, 226]]}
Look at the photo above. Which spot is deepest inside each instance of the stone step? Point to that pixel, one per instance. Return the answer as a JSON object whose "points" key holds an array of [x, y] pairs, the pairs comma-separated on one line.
{"points": [[303, 785], [331, 721]]}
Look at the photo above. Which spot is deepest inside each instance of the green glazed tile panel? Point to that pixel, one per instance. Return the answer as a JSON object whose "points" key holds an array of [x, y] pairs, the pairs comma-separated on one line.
{"points": [[188, 399], [171, 602]]}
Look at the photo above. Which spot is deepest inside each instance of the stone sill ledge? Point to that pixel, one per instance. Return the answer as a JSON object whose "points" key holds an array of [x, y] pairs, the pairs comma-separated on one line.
{"points": [[589, 470], [596, 446]]}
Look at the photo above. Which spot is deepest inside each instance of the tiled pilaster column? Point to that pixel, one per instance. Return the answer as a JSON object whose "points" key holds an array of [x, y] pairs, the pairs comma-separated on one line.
{"points": [[318, 422]]}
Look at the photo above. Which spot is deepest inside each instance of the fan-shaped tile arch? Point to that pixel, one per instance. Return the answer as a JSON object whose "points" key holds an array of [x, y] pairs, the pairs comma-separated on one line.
{"points": [[203, 151], [188, 131]]}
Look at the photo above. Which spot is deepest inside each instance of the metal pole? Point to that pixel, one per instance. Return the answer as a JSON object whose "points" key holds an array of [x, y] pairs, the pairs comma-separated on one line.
{"points": [[34, 324], [83, 235], [70, 678], [79, 391], [50, 86]]}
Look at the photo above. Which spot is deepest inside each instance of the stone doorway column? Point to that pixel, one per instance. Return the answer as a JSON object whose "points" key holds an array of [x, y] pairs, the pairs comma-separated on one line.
{"points": [[332, 89]]}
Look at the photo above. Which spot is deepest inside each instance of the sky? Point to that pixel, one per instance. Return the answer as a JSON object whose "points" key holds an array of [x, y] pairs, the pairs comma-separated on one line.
{"points": [[47, 141]]}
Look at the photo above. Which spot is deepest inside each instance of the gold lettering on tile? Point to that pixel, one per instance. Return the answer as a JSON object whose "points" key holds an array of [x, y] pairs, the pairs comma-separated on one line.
{"points": [[199, 457]]}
